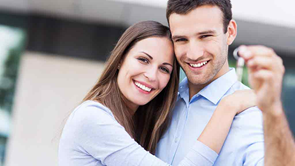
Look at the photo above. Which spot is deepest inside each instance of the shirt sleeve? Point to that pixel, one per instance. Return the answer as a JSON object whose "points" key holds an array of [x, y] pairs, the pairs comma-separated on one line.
{"points": [[252, 134], [99, 135], [201, 153]]}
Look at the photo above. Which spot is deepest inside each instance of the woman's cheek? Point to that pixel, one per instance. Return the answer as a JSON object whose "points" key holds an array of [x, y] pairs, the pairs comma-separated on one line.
{"points": [[165, 81]]}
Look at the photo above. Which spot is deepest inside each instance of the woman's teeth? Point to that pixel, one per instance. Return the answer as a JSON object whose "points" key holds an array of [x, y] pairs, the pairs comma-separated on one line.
{"points": [[143, 87], [198, 64]]}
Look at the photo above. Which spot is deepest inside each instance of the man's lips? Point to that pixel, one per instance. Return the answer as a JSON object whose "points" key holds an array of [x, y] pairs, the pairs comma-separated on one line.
{"points": [[198, 64]]}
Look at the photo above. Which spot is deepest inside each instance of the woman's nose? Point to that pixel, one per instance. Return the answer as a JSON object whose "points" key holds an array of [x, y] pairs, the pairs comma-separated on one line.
{"points": [[151, 74]]}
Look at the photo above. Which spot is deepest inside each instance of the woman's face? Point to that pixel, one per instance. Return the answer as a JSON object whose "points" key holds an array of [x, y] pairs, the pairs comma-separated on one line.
{"points": [[145, 70]]}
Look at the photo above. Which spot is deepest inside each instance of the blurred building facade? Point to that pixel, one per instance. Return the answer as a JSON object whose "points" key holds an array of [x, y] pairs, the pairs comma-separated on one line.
{"points": [[67, 45]]}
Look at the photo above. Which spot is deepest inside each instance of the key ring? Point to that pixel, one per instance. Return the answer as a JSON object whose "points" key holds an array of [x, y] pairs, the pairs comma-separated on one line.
{"points": [[240, 64], [236, 53]]}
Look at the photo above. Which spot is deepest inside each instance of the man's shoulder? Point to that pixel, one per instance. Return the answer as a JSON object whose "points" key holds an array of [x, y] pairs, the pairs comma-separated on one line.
{"points": [[237, 86], [250, 116], [240, 86], [249, 123]]}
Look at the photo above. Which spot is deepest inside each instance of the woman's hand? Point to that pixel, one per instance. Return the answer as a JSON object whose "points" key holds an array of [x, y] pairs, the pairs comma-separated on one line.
{"points": [[239, 101]]}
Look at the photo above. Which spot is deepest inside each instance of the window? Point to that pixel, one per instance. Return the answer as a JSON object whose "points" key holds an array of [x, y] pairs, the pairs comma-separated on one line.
{"points": [[11, 46]]}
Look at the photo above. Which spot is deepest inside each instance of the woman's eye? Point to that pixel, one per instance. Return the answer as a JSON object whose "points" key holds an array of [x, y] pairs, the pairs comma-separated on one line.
{"points": [[164, 69], [144, 60]]}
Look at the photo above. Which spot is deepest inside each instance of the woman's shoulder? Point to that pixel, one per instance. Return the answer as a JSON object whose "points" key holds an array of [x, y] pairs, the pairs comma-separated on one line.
{"points": [[91, 111], [92, 107], [87, 130], [90, 116]]}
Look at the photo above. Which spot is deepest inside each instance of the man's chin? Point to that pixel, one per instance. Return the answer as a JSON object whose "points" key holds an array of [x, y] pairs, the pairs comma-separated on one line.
{"points": [[199, 80]]}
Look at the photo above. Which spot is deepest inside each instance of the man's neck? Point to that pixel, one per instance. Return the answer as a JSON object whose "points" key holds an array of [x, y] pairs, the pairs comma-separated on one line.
{"points": [[196, 88]]}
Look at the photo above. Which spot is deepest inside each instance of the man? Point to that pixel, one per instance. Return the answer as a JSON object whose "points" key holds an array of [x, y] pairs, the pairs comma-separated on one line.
{"points": [[202, 31], [266, 72]]}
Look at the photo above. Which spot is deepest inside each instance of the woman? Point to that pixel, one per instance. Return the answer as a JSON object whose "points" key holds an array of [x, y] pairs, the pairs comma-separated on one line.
{"points": [[128, 110]]}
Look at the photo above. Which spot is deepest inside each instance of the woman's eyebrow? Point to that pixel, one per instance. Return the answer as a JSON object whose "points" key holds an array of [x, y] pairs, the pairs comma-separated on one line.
{"points": [[147, 54], [165, 63]]}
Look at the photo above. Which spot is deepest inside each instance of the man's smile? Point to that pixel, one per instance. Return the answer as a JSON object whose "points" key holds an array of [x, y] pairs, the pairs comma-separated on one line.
{"points": [[199, 64]]}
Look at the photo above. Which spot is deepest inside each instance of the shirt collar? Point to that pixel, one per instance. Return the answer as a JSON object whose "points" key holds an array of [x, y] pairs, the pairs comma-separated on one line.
{"points": [[217, 89], [212, 92], [183, 90]]}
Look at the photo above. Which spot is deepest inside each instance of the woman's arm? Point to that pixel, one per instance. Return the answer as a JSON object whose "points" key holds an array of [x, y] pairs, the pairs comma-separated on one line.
{"points": [[92, 136], [218, 127]]}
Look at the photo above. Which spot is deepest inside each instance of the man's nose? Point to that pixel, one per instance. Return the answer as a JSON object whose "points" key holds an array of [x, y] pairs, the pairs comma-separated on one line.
{"points": [[195, 51]]}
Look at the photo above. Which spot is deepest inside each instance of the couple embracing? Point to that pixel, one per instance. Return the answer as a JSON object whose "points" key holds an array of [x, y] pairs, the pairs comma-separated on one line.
{"points": [[139, 114]]}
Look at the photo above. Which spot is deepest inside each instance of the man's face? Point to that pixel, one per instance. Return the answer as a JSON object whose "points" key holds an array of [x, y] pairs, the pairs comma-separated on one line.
{"points": [[200, 44]]}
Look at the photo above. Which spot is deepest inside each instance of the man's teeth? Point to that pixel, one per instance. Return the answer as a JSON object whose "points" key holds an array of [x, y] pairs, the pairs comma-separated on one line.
{"points": [[198, 64], [143, 87]]}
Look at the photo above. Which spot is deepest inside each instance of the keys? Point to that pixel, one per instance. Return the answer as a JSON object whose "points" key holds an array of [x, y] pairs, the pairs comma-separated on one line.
{"points": [[240, 64]]}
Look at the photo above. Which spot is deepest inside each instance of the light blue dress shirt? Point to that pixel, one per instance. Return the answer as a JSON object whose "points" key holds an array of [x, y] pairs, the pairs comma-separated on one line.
{"points": [[244, 144], [93, 137]]}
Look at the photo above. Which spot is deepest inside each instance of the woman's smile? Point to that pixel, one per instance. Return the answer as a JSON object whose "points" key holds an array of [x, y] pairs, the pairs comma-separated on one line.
{"points": [[143, 87]]}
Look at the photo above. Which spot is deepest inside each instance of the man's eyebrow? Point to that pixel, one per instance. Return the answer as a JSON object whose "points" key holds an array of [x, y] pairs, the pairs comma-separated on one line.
{"points": [[199, 33], [206, 32], [177, 37]]}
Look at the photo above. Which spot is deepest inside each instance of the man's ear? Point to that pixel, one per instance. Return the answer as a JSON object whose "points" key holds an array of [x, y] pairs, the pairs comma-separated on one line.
{"points": [[231, 31]]}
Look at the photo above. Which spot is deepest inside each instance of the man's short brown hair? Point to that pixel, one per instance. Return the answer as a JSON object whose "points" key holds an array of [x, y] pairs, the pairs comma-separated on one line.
{"points": [[185, 6]]}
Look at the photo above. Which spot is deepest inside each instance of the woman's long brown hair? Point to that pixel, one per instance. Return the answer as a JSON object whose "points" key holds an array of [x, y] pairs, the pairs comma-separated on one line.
{"points": [[150, 121]]}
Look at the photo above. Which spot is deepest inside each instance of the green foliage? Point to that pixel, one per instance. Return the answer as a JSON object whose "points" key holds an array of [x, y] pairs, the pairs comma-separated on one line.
{"points": [[9, 77], [233, 64]]}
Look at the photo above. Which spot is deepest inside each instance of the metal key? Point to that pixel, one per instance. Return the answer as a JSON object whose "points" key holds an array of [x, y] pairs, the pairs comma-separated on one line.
{"points": [[240, 64]]}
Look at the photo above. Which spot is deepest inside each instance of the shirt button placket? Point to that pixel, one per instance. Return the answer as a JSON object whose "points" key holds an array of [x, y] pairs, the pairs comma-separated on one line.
{"points": [[179, 131]]}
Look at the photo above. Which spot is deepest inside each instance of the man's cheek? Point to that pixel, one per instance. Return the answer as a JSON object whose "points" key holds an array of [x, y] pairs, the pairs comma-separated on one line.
{"points": [[178, 51]]}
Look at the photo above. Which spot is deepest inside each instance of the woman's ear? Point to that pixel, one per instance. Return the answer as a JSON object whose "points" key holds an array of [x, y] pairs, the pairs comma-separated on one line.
{"points": [[119, 65]]}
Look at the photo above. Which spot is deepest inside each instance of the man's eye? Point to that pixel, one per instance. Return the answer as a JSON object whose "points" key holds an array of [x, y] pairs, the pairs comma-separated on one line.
{"points": [[205, 36], [164, 69], [143, 60], [180, 40]]}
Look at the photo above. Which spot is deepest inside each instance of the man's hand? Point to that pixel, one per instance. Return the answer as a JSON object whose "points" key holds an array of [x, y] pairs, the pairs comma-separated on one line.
{"points": [[266, 72]]}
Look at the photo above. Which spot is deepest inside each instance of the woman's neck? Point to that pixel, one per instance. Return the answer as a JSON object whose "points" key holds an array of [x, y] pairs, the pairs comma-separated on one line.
{"points": [[131, 106]]}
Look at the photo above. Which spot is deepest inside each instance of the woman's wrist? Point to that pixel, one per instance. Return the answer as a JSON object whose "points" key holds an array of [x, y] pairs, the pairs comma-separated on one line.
{"points": [[228, 107]]}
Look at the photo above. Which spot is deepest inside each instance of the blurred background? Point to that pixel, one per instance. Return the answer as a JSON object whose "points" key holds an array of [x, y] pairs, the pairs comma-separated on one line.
{"points": [[53, 51]]}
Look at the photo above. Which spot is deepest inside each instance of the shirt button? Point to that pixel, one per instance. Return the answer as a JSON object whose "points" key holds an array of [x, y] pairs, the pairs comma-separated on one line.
{"points": [[176, 140]]}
